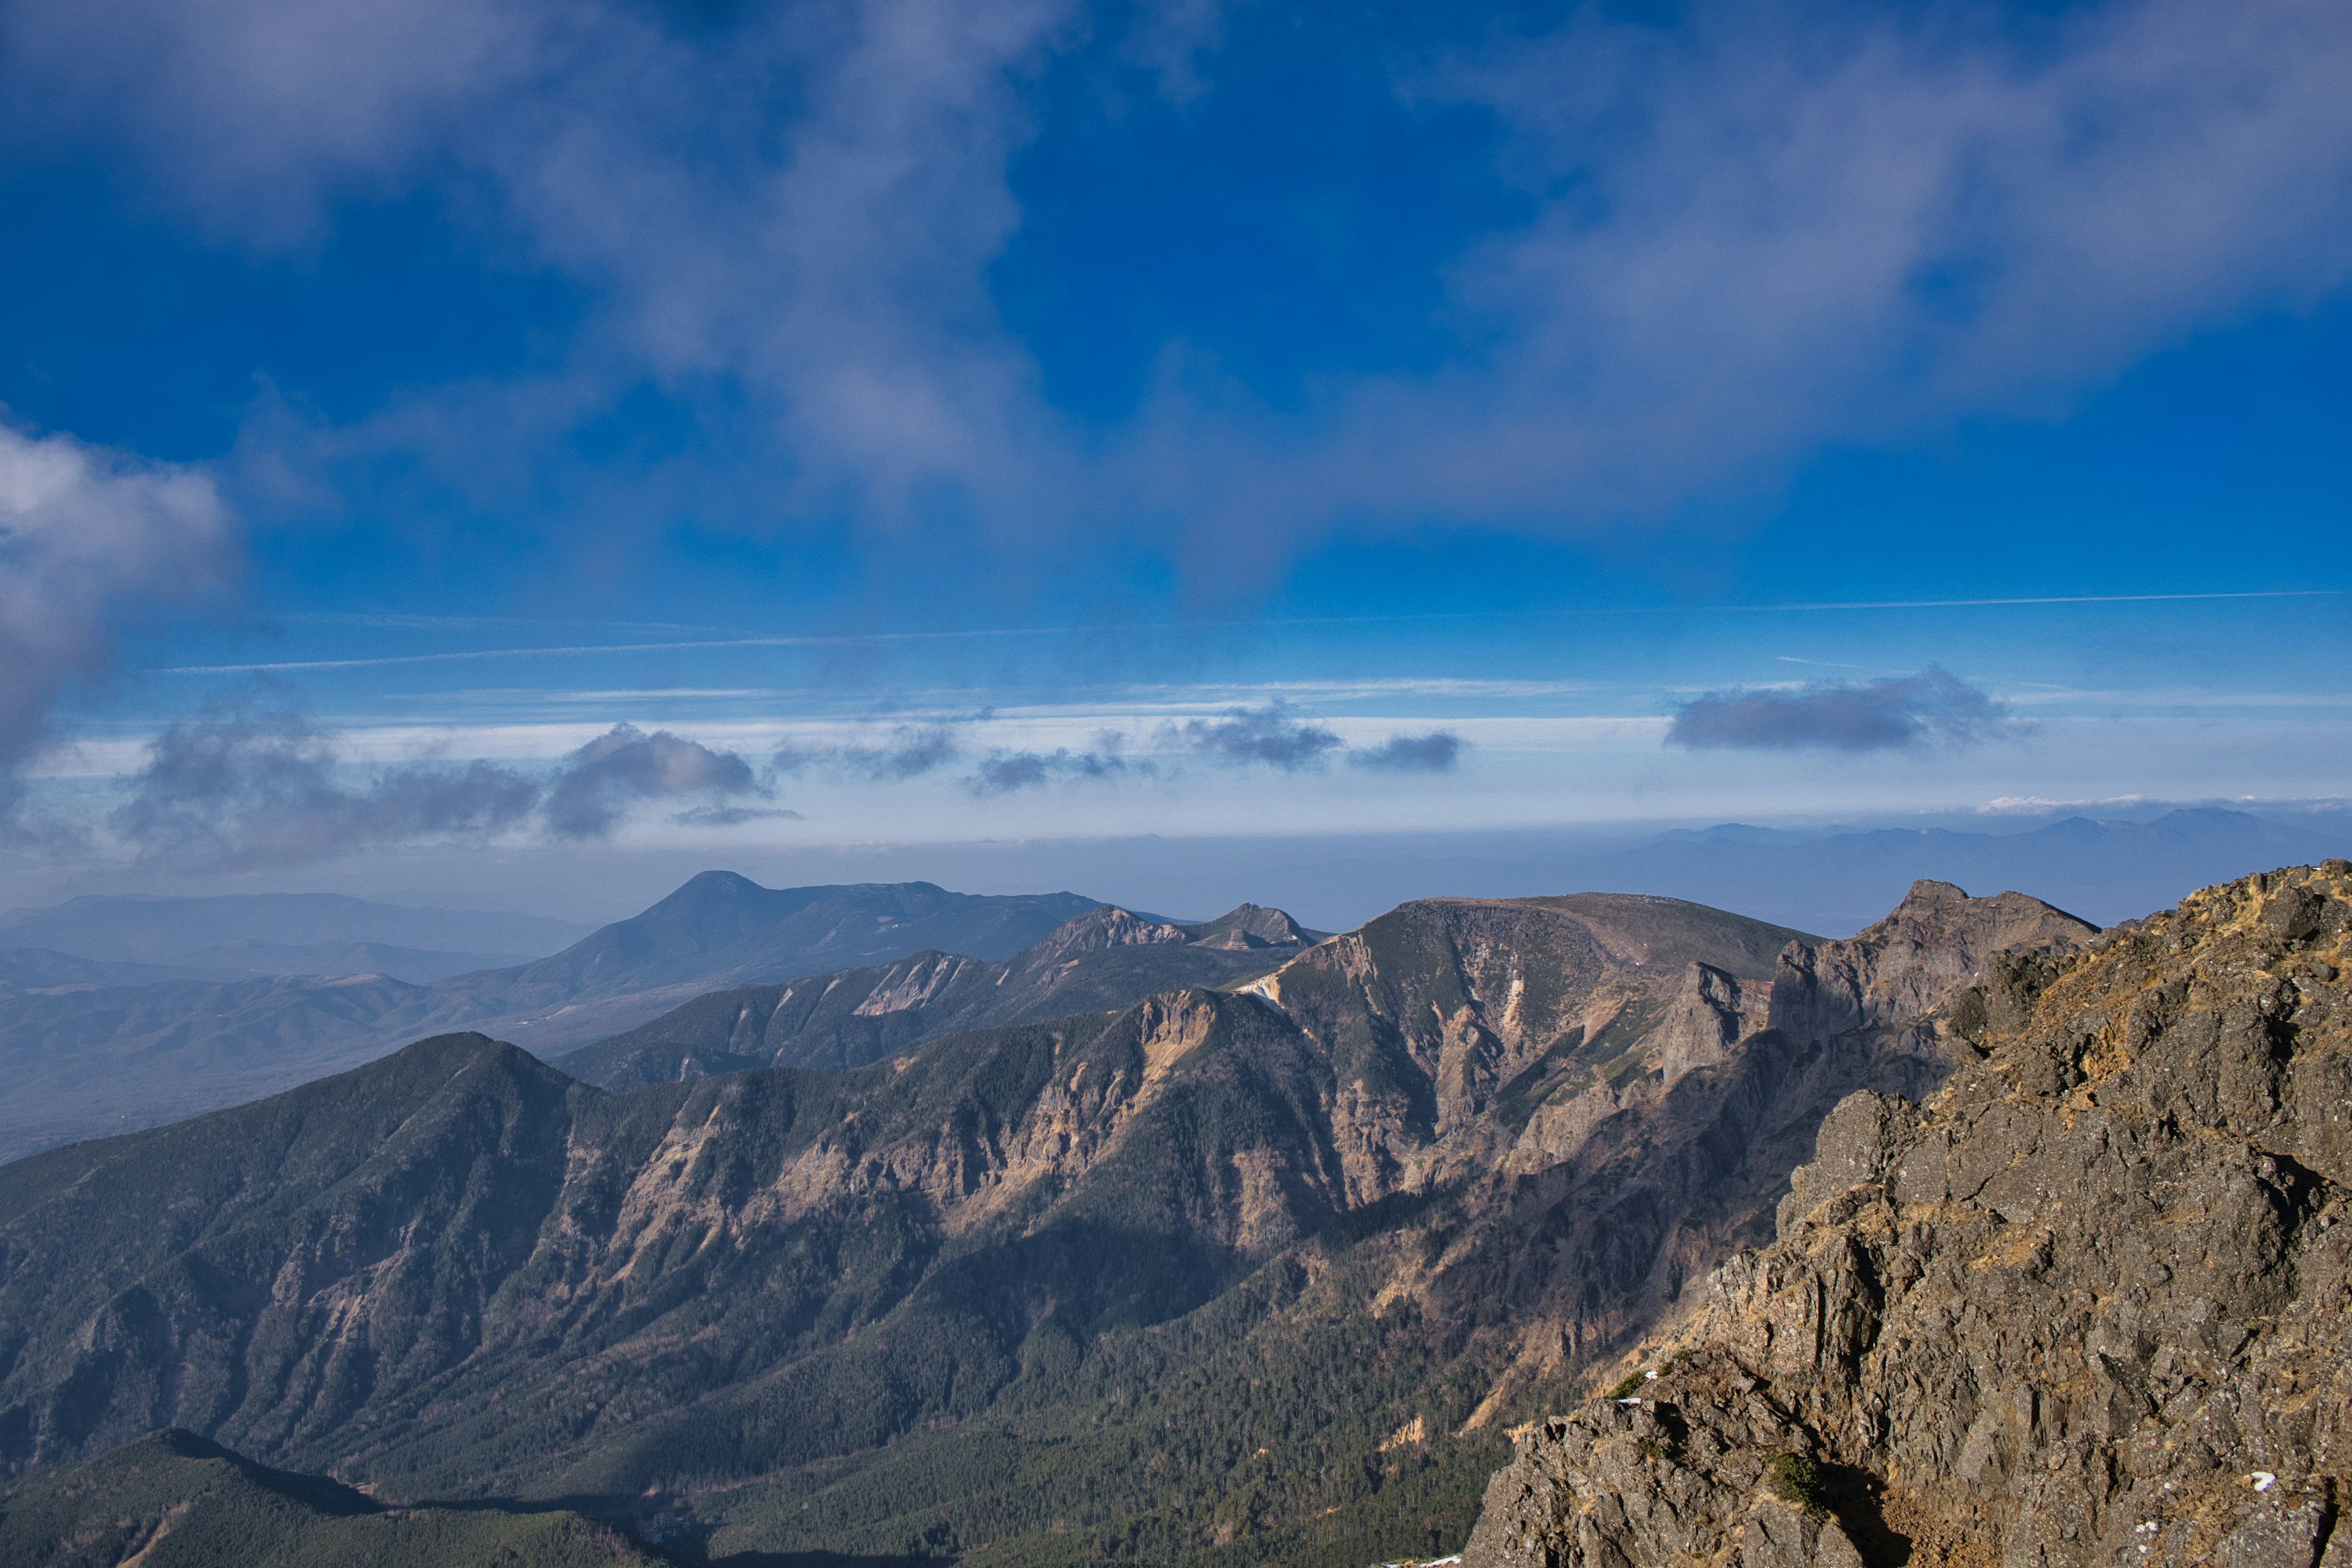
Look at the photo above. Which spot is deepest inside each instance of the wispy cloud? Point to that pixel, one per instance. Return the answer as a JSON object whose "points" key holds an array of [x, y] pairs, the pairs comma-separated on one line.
{"points": [[748, 641], [1765, 227], [1931, 708], [1748, 234]]}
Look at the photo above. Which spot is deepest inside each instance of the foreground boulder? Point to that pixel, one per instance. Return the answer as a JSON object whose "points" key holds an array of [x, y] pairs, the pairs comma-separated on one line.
{"points": [[2088, 1303]]}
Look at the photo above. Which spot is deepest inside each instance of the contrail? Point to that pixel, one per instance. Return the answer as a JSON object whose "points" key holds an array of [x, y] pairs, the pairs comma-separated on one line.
{"points": [[854, 639]]}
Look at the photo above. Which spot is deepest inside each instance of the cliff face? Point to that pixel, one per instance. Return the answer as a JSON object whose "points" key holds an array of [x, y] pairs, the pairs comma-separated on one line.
{"points": [[2088, 1303]]}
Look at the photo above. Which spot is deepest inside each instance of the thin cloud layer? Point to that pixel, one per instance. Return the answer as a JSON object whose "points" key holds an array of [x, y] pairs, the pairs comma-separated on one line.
{"points": [[88, 536], [1932, 708], [734, 815], [253, 781]]}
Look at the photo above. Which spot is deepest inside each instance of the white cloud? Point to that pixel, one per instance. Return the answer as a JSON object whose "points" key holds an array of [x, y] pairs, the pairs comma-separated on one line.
{"points": [[87, 537], [1775, 229]]}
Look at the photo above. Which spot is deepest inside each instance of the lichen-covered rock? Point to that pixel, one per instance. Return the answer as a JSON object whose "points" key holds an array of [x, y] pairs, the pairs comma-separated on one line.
{"points": [[2089, 1303]]}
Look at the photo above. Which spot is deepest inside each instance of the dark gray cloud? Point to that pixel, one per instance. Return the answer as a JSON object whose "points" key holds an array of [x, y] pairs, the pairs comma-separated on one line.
{"points": [[1006, 772], [86, 536], [1244, 737], [1437, 752], [1931, 708], [604, 779], [910, 752], [251, 783]]}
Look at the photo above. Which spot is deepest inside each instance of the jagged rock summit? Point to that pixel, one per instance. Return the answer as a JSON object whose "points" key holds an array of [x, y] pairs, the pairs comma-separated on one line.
{"points": [[2088, 1303]]}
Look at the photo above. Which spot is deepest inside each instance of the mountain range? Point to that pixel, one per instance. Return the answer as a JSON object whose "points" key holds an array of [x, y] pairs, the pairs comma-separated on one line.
{"points": [[1839, 881], [120, 1012], [240, 936], [85, 1057], [1104, 959], [1255, 1273]]}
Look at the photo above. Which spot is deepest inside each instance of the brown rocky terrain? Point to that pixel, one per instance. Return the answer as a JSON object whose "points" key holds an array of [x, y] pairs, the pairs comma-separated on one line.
{"points": [[2087, 1303], [1260, 1272]]}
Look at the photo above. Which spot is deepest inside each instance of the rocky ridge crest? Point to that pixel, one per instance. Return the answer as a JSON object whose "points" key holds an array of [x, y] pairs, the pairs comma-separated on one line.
{"points": [[2088, 1303]]}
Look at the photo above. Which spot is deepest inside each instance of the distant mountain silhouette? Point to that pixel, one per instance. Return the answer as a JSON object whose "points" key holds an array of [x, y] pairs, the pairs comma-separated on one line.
{"points": [[237, 936], [2104, 870], [84, 1059]]}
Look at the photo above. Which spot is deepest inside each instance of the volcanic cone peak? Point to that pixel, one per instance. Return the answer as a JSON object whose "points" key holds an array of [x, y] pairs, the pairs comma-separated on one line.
{"points": [[2086, 1304]]}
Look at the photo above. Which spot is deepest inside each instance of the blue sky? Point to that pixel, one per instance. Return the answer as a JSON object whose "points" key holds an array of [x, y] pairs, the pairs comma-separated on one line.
{"points": [[930, 422]]}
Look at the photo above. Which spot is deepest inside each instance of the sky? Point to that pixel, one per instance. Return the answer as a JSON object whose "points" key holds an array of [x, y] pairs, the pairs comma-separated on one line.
{"points": [[447, 437]]}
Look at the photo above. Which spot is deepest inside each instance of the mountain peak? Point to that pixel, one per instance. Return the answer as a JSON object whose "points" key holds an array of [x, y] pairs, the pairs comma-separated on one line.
{"points": [[1107, 926], [703, 884], [1928, 893], [1251, 925]]}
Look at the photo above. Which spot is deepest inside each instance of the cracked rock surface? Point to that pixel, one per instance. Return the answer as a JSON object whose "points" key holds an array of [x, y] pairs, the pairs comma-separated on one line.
{"points": [[2087, 1304]]}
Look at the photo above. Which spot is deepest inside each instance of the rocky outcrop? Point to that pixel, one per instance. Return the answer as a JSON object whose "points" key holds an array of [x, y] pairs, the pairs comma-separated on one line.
{"points": [[1935, 941], [1703, 1022], [2088, 1303]]}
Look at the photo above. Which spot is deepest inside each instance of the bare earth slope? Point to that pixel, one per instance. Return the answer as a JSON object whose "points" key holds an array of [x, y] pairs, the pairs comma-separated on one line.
{"points": [[2089, 1303]]}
